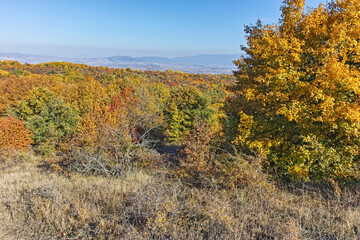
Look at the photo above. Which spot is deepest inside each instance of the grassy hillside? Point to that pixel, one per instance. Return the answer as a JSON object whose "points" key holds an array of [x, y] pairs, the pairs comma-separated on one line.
{"points": [[83, 157]]}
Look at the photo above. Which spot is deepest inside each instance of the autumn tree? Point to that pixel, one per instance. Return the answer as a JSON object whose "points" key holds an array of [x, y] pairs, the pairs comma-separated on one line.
{"points": [[83, 95], [298, 92]]}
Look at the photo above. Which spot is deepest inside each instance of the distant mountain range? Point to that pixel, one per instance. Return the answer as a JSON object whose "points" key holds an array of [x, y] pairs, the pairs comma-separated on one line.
{"points": [[216, 64]]}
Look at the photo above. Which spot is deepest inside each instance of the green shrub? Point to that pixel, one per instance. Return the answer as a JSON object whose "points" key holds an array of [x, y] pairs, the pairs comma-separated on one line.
{"points": [[185, 106], [50, 120]]}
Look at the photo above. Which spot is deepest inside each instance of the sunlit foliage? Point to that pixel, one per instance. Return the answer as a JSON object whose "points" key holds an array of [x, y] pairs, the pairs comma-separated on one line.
{"points": [[13, 89], [298, 92]]}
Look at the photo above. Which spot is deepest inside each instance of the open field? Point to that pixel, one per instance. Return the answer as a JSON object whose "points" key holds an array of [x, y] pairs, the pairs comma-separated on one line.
{"points": [[39, 204]]}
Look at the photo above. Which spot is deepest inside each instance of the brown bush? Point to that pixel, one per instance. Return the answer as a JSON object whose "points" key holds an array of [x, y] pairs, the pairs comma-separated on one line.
{"points": [[13, 134], [202, 163], [195, 158]]}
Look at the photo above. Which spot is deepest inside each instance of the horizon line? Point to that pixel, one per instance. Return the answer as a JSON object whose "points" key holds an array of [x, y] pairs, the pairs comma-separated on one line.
{"points": [[125, 55]]}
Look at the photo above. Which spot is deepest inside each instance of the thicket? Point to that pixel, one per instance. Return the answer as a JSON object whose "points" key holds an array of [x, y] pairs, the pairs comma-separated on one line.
{"points": [[99, 120]]}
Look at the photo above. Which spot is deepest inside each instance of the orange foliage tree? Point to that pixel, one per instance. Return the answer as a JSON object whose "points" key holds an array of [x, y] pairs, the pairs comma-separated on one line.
{"points": [[298, 92], [13, 134], [14, 88]]}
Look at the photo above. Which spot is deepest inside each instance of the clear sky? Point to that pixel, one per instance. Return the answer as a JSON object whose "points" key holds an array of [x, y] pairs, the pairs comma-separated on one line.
{"points": [[100, 28]]}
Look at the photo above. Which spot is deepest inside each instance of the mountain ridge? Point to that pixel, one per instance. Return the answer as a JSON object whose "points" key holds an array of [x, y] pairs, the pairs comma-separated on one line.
{"points": [[202, 63]]}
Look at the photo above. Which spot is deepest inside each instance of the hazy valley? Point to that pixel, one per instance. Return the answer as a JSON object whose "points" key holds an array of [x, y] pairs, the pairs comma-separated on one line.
{"points": [[215, 64]]}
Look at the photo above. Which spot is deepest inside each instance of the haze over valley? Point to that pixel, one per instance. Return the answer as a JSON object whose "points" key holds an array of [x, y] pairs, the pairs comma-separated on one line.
{"points": [[204, 63]]}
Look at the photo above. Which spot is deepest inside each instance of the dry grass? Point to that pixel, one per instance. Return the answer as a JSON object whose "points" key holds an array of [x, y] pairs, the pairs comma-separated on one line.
{"points": [[37, 204]]}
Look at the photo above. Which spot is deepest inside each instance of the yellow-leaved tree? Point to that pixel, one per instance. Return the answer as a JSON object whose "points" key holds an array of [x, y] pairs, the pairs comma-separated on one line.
{"points": [[297, 95]]}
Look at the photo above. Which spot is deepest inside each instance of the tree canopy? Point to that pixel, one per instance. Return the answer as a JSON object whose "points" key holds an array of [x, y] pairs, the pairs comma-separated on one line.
{"points": [[298, 91]]}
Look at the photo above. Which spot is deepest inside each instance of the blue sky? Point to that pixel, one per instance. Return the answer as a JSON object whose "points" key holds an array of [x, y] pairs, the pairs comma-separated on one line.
{"points": [[100, 28]]}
